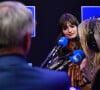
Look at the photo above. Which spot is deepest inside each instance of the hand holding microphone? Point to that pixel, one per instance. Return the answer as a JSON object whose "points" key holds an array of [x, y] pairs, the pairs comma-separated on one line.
{"points": [[63, 41]]}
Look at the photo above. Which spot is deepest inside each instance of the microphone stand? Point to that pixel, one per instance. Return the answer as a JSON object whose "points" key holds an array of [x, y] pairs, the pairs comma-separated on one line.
{"points": [[60, 62], [50, 56]]}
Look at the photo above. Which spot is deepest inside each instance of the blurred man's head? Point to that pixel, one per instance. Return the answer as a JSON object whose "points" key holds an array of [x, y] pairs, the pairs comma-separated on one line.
{"points": [[16, 24]]}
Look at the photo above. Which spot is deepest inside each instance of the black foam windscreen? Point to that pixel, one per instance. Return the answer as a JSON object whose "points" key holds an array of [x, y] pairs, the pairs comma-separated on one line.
{"points": [[91, 42]]}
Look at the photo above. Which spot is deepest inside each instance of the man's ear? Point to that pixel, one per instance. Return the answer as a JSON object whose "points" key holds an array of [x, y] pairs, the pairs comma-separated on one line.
{"points": [[27, 42]]}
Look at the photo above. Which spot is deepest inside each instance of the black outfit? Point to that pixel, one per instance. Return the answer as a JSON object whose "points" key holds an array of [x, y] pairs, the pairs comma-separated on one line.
{"points": [[16, 74]]}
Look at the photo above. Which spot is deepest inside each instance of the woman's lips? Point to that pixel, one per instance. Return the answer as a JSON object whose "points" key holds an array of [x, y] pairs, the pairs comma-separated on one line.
{"points": [[70, 34]]}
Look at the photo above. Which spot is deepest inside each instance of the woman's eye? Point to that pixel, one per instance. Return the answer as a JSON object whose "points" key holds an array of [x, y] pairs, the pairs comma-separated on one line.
{"points": [[72, 26], [65, 27]]}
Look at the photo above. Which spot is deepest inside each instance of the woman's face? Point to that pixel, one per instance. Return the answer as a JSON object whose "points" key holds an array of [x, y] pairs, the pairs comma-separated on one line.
{"points": [[70, 31]]}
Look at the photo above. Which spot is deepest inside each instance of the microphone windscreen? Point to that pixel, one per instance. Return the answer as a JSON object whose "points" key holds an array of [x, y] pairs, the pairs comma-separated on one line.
{"points": [[63, 41], [77, 57]]}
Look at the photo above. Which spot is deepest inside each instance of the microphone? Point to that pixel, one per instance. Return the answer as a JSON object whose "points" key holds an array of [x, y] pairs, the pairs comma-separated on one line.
{"points": [[59, 61], [63, 41], [76, 57]]}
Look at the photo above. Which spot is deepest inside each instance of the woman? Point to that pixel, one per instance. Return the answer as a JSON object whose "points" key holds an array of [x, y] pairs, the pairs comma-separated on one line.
{"points": [[89, 33], [67, 27]]}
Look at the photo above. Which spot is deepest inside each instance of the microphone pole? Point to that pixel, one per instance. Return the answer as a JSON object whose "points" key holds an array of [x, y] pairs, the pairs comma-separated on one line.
{"points": [[59, 62], [49, 57]]}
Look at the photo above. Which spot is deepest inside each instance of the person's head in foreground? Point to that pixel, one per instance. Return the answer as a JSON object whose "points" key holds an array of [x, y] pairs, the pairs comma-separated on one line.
{"points": [[89, 33], [16, 25]]}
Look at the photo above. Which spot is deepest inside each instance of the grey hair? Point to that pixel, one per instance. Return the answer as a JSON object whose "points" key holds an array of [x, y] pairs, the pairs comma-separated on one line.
{"points": [[15, 21]]}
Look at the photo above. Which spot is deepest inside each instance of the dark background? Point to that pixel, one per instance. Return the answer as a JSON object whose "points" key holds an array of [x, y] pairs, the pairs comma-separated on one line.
{"points": [[47, 16]]}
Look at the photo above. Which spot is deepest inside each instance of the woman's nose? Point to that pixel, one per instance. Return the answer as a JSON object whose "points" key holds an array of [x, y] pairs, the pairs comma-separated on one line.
{"points": [[69, 29]]}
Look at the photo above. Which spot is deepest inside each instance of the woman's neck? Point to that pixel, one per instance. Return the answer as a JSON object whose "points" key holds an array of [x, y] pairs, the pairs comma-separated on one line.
{"points": [[71, 45]]}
